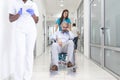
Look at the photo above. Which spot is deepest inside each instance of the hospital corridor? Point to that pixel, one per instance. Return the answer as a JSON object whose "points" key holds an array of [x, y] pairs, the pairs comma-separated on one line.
{"points": [[86, 70], [59, 40]]}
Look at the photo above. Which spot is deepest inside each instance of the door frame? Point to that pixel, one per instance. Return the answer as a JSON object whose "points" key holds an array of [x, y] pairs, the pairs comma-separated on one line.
{"points": [[43, 25]]}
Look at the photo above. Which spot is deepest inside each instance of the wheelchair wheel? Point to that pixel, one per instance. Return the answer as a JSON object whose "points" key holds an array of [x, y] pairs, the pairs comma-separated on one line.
{"points": [[74, 69]]}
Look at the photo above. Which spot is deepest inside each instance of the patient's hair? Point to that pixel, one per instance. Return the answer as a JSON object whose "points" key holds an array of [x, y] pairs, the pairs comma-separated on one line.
{"points": [[64, 22]]}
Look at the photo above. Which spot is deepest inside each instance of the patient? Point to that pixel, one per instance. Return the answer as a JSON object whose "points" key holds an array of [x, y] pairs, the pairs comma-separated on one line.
{"points": [[64, 43]]}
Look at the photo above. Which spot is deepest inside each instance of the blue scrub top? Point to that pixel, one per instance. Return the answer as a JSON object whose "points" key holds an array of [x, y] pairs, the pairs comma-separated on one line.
{"points": [[58, 22]]}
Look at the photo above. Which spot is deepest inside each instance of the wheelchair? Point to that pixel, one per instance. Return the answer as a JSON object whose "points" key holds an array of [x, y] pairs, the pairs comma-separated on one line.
{"points": [[62, 61], [62, 57]]}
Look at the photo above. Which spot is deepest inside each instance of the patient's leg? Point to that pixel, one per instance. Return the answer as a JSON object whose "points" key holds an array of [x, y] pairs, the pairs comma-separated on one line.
{"points": [[69, 48], [55, 50]]}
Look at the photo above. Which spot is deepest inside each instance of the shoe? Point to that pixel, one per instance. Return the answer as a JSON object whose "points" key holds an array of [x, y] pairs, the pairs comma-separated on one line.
{"points": [[54, 68], [69, 64]]}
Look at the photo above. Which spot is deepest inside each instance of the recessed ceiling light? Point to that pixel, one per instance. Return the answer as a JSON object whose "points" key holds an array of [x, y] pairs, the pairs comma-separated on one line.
{"points": [[61, 0], [94, 4], [61, 5]]}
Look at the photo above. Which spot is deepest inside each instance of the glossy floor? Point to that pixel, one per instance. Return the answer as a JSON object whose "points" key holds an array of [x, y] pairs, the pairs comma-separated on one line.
{"points": [[86, 70]]}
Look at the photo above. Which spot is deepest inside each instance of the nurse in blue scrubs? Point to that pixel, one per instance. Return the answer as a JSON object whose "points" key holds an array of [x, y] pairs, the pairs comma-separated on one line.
{"points": [[64, 17]]}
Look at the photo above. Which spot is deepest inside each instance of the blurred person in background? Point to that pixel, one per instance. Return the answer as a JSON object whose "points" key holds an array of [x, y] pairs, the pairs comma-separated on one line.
{"points": [[76, 35], [64, 17]]}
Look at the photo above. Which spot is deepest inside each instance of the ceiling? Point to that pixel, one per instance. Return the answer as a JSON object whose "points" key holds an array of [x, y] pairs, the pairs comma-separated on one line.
{"points": [[54, 10]]}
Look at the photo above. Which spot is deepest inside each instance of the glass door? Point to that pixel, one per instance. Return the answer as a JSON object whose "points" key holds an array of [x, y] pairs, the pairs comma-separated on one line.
{"points": [[81, 34], [95, 31], [105, 34], [81, 27], [112, 36]]}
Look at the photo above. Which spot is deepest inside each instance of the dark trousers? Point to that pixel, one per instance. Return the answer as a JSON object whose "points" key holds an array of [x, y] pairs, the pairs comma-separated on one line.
{"points": [[75, 40]]}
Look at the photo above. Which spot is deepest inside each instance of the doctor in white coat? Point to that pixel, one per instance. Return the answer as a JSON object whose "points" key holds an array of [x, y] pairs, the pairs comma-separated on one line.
{"points": [[23, 14]]}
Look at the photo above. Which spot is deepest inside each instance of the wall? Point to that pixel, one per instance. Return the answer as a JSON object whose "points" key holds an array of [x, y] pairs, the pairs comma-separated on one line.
{"points": [[5, 41], [40, 34], [1, 32], [50, 29]]}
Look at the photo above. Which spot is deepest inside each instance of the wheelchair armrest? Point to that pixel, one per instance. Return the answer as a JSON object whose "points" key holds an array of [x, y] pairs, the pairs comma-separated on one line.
{"points": [[53, 41]]}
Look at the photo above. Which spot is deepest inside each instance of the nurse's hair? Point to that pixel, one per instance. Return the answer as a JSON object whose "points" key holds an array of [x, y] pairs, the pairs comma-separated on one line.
{"points": [[62, 16]]}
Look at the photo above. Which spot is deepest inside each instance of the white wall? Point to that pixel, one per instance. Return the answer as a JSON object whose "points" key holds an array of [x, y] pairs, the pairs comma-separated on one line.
{"points": [[1, 29], [86, 27], [40, 36], [5, 40], [1, 34]]}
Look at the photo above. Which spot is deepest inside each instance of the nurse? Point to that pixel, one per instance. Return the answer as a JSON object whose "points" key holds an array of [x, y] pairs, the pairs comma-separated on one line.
{"points": [[64, 17], [23, 14]]}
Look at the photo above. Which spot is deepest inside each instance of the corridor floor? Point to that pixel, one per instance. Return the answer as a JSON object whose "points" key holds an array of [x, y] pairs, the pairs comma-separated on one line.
{"points": [[86, 70]]}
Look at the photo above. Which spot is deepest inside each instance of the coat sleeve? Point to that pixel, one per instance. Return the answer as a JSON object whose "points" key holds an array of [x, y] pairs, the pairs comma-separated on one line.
{"points": [[71, 35]]}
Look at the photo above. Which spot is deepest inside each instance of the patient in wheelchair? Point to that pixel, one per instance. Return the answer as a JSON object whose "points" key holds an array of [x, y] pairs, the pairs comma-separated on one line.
{"points": [[63, 43]]}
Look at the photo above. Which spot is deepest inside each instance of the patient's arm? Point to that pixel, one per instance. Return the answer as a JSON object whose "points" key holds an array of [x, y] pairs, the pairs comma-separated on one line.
{"points": [[59, 41]]}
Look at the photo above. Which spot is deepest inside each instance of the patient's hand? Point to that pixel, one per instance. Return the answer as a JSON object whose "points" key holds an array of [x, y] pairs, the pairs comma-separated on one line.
{"points": [[59, 41]]}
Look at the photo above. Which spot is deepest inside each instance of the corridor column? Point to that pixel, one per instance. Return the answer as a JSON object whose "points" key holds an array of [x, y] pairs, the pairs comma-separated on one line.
{"points": [[86, 27]]}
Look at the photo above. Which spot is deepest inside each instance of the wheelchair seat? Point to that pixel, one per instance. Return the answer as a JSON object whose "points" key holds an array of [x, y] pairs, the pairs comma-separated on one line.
{"points": [[62, 60], [62, 56]]}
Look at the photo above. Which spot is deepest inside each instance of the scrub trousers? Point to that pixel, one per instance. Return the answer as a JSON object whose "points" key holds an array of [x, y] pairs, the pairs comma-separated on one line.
{"points": [[25, 41]]}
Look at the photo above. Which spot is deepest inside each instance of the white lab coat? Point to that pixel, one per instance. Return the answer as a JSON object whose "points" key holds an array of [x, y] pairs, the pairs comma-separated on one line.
{"points": [[74, 31], [25, 36]]}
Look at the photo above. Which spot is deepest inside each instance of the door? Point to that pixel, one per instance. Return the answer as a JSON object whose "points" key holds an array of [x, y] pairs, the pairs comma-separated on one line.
{"points": [[80, 25], [95, 32], [105, 34], [43, 23], [112, 36]]}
